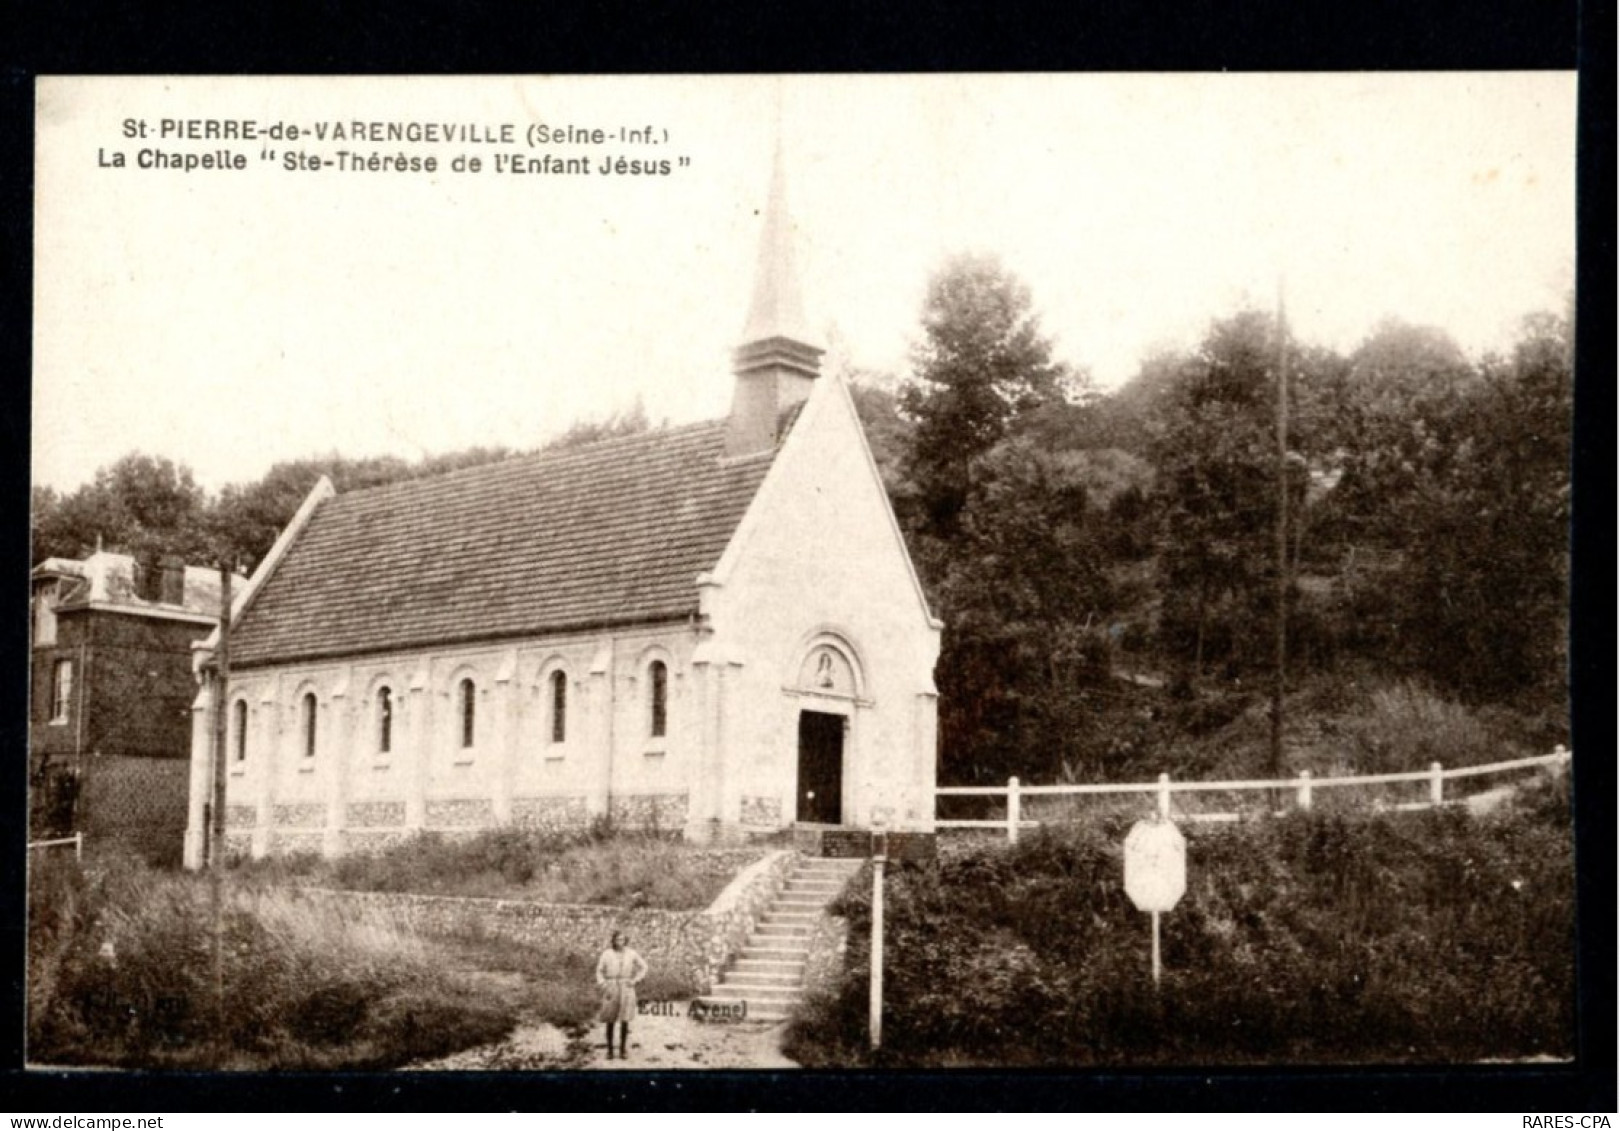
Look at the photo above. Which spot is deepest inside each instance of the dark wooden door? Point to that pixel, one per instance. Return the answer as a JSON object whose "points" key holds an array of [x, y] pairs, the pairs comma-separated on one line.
{"points": [[821, 767]]}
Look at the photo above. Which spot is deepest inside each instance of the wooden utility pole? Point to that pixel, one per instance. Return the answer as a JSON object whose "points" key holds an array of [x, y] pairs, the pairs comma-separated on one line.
{"points": [[1279, 684], [216, 831]]}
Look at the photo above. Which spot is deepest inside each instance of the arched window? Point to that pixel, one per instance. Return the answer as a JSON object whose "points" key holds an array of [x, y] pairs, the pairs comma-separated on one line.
{"points": [[309, 724], [385, 720], [239, 711], [559, 706], [658, 698], [469, 706]]}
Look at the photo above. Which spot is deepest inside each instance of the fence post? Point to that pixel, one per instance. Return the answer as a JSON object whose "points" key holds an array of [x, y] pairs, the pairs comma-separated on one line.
{"points": [[1012, 810], [1164, 797], [1304, 789], [78, 848], [1437, 785]]}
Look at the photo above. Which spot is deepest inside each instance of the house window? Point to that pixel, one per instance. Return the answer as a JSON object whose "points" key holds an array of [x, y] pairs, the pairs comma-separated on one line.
{"points": [[239, 711], [45, 615], [148, 579], [309, 724], [658, 695], [559, 706], [385, 720], [469, 707], [61, 690]]}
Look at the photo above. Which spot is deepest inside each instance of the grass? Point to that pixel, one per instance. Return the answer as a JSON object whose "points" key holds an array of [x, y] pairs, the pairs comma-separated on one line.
{"points": [[508, 863], [120, 973], [1317, 938]]}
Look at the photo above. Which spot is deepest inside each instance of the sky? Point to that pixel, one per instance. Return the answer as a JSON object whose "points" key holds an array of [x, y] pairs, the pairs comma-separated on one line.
{"points": [[232, 318]]}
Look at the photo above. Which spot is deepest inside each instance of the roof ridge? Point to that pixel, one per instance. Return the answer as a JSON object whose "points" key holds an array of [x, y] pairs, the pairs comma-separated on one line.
{"points": [[521, 460]]}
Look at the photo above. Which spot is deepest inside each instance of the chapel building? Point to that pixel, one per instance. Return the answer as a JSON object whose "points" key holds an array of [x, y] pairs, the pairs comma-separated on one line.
{"points": [[713, 629]]}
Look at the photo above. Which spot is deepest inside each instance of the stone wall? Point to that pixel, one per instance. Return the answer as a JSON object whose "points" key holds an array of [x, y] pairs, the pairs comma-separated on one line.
{"points": [[551, 814], [295, 843], [691, 945], [375, 814], [732, 915], [665, 812], [460, 813], [765, 811], [138, 803], [303, 815]]}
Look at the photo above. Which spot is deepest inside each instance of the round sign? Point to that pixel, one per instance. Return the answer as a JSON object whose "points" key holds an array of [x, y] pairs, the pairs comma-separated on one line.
{"points": [[1155, 865]]}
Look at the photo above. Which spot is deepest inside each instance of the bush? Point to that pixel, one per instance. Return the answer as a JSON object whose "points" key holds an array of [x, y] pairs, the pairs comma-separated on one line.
{"points": [[1407, 727], [1312, 938]]}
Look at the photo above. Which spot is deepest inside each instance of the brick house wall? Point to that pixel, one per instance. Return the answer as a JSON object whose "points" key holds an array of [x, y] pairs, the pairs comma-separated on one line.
{"points": [[126, 732]]}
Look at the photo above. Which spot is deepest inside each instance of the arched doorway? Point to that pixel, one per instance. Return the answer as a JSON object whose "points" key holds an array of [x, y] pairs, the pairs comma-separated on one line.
{"points": [[821, 768], [826, 689]]}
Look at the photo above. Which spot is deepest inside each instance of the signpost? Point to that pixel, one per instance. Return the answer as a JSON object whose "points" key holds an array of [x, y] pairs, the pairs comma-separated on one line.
{"points": [[1155, 872]]}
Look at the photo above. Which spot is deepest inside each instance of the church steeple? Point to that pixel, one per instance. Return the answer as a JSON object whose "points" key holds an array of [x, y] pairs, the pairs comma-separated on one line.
{"points": [[776, 362], [777, 307]]}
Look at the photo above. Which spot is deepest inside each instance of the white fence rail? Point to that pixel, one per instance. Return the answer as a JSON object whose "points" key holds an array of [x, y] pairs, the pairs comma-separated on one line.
{"points": [[1302, 787], [76, 840]]}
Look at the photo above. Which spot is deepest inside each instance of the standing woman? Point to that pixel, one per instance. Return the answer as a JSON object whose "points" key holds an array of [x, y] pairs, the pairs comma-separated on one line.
{"points": [[617, 972]]}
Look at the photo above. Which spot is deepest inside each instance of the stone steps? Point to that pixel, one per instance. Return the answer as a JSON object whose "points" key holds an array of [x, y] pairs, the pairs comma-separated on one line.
{"points": [[767, 975]]}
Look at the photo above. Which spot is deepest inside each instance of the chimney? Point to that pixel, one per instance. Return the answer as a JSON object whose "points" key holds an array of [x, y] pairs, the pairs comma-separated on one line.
{"points": [[174, 580], [775, 364]]}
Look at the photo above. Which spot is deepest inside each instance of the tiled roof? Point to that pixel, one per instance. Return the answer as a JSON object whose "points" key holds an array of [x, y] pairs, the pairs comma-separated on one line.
{"points": [[611, 532]]}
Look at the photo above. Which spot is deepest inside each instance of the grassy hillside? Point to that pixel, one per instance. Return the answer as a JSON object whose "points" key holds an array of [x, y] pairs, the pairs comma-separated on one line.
{"points": [[120, 973], [120, 954]]}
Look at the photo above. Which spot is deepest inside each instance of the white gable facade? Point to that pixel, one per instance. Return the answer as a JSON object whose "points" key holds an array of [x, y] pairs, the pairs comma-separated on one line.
{"points": [[827, 644]]}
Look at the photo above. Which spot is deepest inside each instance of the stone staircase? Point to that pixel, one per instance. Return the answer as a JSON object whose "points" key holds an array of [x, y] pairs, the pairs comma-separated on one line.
{"points": [[768, 973]]}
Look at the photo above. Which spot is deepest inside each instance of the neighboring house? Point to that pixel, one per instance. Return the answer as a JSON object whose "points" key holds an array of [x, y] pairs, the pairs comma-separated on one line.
{"points": [[714, 629], [111, 686]]}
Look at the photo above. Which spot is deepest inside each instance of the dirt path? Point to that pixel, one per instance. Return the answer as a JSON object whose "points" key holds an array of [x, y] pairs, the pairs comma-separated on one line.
{"points": [[657, 1044], [660, 1044]]}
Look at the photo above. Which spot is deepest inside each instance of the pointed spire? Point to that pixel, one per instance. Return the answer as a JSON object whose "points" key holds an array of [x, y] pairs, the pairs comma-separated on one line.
{"points": [[775, 365], [777, 307]]}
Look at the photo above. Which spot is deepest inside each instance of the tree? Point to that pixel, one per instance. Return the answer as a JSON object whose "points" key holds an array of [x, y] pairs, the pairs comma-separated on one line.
{"points": [[888, 435], [982, 363], [144, 505], [1130, 416], [626, 423], [1482, 596], [1389, 417], [1027, 600], [1215, 454], [249, 517]]}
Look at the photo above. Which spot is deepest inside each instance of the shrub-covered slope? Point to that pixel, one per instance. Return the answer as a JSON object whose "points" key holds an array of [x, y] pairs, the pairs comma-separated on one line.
{"points": [[1412, 937]]}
